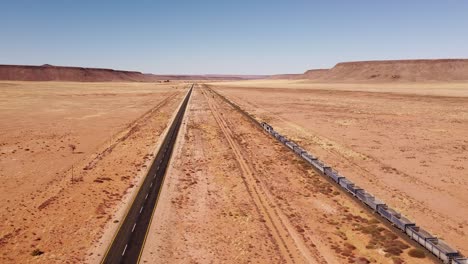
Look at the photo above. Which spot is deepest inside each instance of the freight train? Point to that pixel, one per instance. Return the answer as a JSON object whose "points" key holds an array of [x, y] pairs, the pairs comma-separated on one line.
{"points": [[435, 245]]}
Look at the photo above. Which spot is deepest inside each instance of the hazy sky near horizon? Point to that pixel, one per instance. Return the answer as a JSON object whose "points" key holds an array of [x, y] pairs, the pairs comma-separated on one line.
{"points": [[228, 37]]}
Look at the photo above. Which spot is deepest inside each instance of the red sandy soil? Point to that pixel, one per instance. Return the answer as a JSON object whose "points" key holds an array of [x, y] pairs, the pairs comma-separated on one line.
{"points": [[78, 74], [408, 149], [392, 70], [114, 129], [234, 195]]}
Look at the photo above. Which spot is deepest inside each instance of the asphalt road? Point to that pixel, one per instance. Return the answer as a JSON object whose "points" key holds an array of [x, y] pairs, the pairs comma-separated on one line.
{"points": [[129, 240]]}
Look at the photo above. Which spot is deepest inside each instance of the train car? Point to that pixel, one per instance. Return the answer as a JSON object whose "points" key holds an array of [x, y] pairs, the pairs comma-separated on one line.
{"points": [[386, 212], [401, 222], [299, 150], [438, 247], [333, 174], [375, 203], [308, 157], [418, 234], [344, 182], [353, 189], [368, 199], [275, 134], [282, 139], [441, 250], [350, 187], [290, 145], [361, 195], [318, 165], [460, 261], [267, 127]]}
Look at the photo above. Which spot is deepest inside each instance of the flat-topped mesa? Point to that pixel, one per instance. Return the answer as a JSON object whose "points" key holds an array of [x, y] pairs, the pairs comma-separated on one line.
{"points": [[286, 76], [310, 74], [315, 73], [395, 70], [48, 72], [415, 61]]}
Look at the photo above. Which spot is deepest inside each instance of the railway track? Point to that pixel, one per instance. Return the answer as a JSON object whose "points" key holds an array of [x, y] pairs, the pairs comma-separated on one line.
{"points": [[351, 197], [289, 243], [127, 244]]}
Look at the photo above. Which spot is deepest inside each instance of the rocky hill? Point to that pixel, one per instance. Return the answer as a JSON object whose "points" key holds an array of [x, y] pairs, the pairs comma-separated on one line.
{"points": [[392, 70]]}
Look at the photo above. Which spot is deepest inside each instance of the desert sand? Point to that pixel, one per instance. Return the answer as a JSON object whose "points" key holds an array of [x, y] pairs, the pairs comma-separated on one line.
{"points": [[404, 143], [71, 155], [235, 195]]}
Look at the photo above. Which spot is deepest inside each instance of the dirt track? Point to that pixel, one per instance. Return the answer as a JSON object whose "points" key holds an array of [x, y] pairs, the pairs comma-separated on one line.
{"points": [[235, 195], [407, 148]]}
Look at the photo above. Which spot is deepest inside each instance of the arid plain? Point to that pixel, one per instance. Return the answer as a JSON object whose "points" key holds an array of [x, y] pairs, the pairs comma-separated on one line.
{"points": [[72, 155], [235, 195], [404, 142]]}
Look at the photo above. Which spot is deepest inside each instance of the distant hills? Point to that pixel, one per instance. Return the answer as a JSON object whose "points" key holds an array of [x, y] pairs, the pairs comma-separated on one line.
{"points": [[359, 71], [48, 72], [392, 70]]}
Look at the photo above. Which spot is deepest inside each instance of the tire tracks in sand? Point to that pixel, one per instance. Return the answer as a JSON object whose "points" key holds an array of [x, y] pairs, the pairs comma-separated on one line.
{"points": [[290, 244]]}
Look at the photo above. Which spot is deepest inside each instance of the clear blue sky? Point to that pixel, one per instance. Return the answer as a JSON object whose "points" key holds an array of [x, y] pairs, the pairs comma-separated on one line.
{"points": [[237, 37]]}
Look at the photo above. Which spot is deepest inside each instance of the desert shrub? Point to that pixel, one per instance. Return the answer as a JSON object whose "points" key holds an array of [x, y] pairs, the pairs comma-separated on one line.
{"points": [[363, 260], [371, 229], [382, 238], [417, 253], [396, 251], [349, 246], [37, 252], [402, 245], [72, 147]]}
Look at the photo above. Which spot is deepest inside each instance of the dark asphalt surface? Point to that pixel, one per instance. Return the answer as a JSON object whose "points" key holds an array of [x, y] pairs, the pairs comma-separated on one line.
{"points": [[128, 242]]}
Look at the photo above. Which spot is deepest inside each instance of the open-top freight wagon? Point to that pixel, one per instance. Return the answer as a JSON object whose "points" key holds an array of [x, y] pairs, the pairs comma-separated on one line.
{"points": [[435, 245]]}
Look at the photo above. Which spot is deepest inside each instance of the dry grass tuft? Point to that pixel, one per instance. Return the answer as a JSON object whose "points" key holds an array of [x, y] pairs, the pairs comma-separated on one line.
{"points": [[417, 253]]}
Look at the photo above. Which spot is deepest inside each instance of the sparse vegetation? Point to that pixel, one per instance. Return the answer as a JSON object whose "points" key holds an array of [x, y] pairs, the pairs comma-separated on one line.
{"points": [[37, 252], [72, 147], [383, 238], [417, 253]]}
